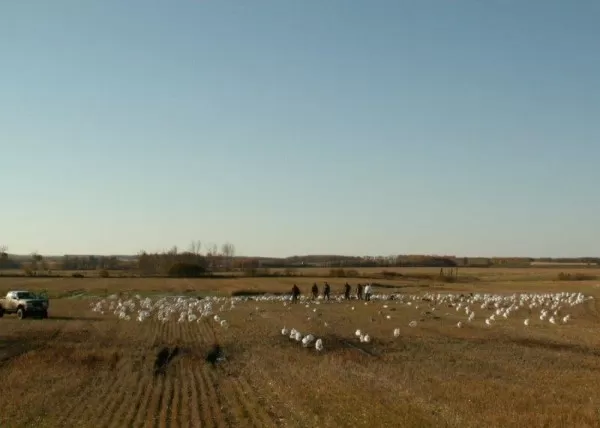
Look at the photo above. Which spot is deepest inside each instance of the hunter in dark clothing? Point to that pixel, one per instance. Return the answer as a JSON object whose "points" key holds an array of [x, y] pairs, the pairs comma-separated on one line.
{"points": [[315, 291], [347, 291], [326, 291], [359, 291], [295, 293]]}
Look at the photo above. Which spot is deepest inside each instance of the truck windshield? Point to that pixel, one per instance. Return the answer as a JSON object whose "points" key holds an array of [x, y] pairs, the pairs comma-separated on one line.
{"points": [[26, 295]]}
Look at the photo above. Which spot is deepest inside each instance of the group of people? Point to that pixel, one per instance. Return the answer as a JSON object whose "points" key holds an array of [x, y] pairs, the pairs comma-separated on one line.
{"points": [[362, 292]]}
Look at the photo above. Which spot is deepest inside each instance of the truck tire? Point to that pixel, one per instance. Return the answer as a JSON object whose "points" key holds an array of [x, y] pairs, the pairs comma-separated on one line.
{"points": [[21, 313], [1, 312], [45, 314]]}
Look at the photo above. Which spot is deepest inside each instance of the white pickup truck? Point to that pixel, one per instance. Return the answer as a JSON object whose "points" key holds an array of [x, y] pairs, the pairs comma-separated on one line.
{"points": [[24, 304]]}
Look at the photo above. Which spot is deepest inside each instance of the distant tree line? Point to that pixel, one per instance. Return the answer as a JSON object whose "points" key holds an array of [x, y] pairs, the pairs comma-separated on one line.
{"points": [[190, 263], [197, 260], [90, 263], [333, 261], [5, 261]]}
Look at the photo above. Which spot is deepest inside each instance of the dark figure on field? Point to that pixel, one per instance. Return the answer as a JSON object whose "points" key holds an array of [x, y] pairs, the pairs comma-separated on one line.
{"points": [[295, 293], [214, 354], [326, 291], [347, 291], [359, 291], [164, 357], [161, 361], [368, 292], [315, 291]]}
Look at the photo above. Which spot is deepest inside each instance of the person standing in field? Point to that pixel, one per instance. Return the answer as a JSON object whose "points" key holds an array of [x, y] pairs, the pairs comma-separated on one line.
{"points": [[295, 293], [359, 291], [347, 291], [326, 291], [368, 291], [315, 291]]}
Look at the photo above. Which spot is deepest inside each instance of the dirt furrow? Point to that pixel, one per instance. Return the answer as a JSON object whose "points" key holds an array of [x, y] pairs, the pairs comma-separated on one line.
{"points": [[140, 415], [120, 394], [73, 401], [165, 333], [195, 402], [199, 331], [214, 400], [234, 412], [135, 403], [252, 404], [126, 401], [183, 416], [153, 411], [207, 333], [98, 405], [178, 330], [174, 416], [208, 417], [187, 332], [166, 402], [159, 333]]}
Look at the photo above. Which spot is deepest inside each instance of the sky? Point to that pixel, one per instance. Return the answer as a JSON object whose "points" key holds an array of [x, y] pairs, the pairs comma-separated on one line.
{"points": [[301, 127]]}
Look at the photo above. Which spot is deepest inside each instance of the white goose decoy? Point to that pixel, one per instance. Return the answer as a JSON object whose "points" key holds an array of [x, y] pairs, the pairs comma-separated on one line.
{"points": [[308, 340], [396, 332], [319, 345]]}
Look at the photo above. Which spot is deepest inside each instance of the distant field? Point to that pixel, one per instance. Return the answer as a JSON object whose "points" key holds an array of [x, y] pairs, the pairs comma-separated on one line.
{"points": [[80, 368], [535, 272], [563, 264], [475, 278]]}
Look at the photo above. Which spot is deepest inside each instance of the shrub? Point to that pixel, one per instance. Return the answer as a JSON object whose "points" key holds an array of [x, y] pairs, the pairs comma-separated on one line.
{"points": [[257, 272], [575, 277], [186, 270], [343, 273], [337, 273], [77, 275], [247, 293], [250, 293], [103, 273], [390, 274], [290, 271]]}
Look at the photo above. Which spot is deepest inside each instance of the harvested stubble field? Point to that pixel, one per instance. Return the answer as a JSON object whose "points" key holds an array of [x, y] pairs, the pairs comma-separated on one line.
{"points": [[83, 369]]}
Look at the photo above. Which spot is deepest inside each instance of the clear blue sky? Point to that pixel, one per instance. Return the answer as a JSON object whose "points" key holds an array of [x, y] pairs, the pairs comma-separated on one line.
{"points": [[295, 127]]}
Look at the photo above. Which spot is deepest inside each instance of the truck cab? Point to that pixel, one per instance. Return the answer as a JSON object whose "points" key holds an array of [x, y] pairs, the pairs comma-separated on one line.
{"points": [[24, 303]]}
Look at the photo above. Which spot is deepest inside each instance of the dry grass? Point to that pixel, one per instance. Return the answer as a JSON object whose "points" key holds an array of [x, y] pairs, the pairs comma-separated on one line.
{"points": [[78, 369]]}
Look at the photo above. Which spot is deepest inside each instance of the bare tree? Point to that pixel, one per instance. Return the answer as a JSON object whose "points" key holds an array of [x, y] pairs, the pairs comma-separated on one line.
{"points": [[3, 255], [35, 260], [196, 247], [212, 250], [228, 251]]}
